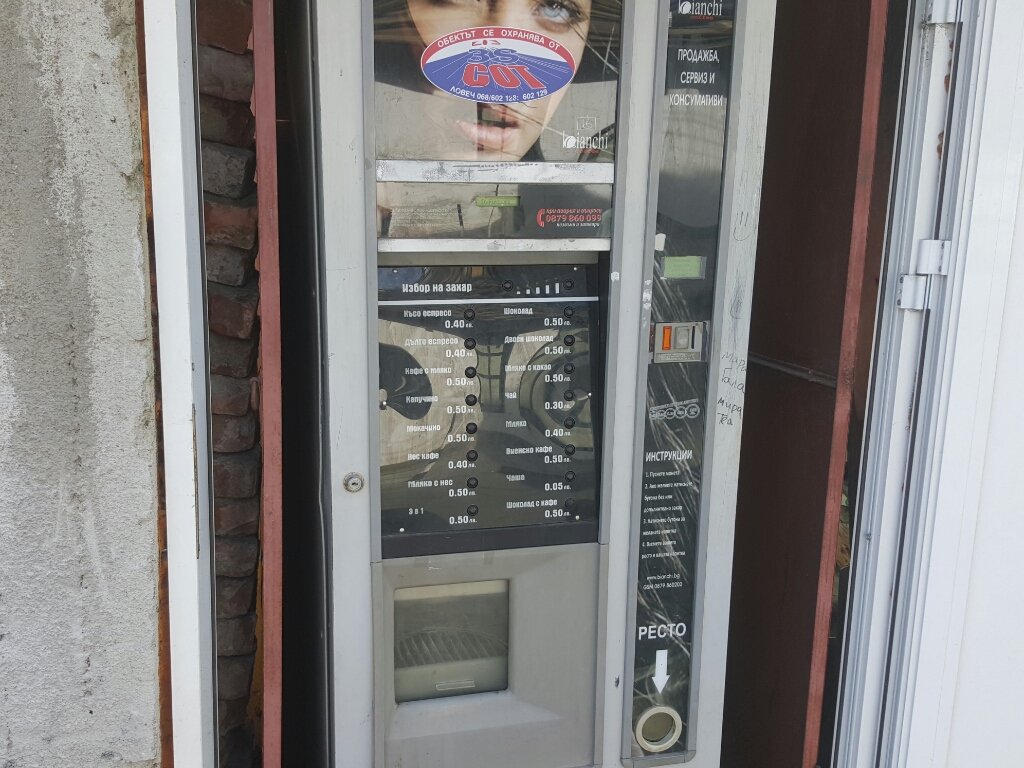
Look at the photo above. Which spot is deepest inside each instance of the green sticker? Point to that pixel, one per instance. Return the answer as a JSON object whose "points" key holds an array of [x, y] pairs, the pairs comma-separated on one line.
{"points": [[683, 267], [497, 201]]}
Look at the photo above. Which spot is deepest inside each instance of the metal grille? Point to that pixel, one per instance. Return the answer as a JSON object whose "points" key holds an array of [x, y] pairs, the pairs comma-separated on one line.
{"points": [[438, 646]]}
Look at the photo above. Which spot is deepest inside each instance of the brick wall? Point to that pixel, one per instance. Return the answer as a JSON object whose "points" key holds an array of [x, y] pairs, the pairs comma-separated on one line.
{"points": [[227, 128]]}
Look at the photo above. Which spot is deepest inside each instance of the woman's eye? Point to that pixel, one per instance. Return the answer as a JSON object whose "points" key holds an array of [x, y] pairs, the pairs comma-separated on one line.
{"points": [[558, 13]]}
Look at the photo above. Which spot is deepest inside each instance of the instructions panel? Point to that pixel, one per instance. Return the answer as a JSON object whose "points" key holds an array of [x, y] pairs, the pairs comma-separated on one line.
{"points": [[695, 108]]}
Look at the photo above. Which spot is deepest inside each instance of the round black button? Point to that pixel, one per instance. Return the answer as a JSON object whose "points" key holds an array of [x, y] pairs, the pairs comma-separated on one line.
{"points": [[471, 372], [470, 343], [470, 399], [570, 450], [570, 339], [569, 368], [469, 314], [472, 509], [472, 482], [507, 285], [471, 428], [568, 311], [570, 503], [472, 455], [569, 422], [568, 284], [570, 476], [569, 395]]}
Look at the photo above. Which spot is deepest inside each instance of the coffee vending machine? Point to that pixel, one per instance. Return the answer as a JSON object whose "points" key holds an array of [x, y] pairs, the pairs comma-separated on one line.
{"points": [[537, 222]]}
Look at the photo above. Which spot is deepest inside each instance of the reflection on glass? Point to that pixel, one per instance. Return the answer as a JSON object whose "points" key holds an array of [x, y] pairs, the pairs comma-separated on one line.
{"points": [[496, 80], [451, 640]]}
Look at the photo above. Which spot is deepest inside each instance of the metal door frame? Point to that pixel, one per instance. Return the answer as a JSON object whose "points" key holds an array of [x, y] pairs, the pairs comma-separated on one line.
{"points": [[938, 330]]}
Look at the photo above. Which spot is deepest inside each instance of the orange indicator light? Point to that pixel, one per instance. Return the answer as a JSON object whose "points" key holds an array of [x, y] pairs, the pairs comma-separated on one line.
{"points": [[666, 337]]}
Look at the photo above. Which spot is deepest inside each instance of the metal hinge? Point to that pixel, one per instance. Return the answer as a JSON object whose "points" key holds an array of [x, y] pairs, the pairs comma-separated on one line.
{"points": [[911, 292], [932, 259]]}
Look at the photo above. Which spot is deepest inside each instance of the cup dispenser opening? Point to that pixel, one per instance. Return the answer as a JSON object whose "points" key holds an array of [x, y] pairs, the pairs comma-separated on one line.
{"points": [[451, 640]]}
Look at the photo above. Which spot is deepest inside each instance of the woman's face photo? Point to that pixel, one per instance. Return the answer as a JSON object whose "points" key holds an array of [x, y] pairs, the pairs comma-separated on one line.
{"points": [[457, 129]]}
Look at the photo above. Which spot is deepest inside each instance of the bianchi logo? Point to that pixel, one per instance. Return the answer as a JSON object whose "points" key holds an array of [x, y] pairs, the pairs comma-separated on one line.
{"points": [[698, 8], [591, 143], [687, 409], [586, 137]]}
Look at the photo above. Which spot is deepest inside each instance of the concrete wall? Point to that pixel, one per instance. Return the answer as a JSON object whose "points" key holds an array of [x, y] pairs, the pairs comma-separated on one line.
{"points": [[78, 449]]}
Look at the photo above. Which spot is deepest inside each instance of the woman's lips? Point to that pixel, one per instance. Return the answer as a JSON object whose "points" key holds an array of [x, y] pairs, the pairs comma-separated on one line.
{"points": [[488, 136]]}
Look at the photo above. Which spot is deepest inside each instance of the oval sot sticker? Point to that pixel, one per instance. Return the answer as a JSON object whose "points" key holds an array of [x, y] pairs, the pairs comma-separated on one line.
{"points": [[498, 64]]}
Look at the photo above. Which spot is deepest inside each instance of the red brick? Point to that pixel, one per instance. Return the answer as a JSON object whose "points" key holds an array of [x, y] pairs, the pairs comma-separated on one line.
{"points": [[236, 556], [230, 222], [236, 517], [227, 265], [227, 171], [231, 357], [234, 676], [224, 23], [232, 434], [227, 122], [224, 74], [237, 636], [231, 713], [234, 596], [228, 396], [236, 475], [231, 310]]}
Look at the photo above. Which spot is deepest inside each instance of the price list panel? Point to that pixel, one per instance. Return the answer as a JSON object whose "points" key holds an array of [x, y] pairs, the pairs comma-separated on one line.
{"points": [[488, 395]]}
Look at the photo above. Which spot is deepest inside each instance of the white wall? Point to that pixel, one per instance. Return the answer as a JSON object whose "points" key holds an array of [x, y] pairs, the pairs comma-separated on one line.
{"points": [[78, 454]]}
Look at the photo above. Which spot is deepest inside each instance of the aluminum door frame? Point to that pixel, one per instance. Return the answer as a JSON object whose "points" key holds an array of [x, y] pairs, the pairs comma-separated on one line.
{"points": [[933, 372]]}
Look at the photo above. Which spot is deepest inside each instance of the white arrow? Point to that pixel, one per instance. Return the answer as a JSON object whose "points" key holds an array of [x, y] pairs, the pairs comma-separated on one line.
{"points": [[661, 670]]}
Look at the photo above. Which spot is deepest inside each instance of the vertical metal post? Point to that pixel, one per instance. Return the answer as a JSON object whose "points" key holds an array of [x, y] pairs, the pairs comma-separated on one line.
{"points": [[178, 242]]}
